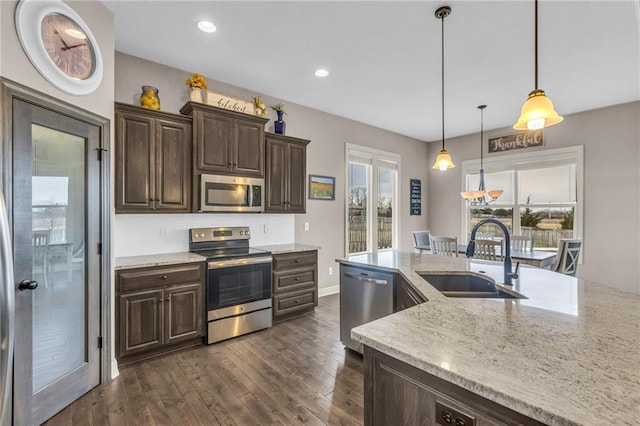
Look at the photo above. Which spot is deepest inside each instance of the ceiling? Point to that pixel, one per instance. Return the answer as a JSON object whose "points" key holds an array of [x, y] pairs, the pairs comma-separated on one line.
{"points": [[384, 56]]}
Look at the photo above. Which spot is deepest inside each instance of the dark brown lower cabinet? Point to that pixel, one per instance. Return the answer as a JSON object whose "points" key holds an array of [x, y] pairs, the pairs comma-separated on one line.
{"points": [[160, 309], [294, 284], [396, 393]]}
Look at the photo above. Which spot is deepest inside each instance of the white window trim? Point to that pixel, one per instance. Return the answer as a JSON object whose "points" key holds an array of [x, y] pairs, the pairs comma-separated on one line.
{"points": [[523, 161], [374, 157]]}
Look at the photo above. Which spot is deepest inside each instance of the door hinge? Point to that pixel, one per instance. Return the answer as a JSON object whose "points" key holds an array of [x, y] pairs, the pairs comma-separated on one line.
{"points": [[99, 249], [100, 151], [100, 342]]}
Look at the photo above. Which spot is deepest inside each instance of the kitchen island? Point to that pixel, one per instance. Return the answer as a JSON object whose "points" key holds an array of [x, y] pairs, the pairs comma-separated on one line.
{"points": [[569, 354]]}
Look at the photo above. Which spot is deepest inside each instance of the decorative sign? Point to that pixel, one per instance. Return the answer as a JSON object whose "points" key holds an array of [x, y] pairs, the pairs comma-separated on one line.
{"points": [[415, 188], [516, 141], [226, 102]]}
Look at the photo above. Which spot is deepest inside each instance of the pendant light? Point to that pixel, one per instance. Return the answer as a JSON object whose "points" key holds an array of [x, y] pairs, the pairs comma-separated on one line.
{"points": [[443, 161], [479, 197], [537, 112]]}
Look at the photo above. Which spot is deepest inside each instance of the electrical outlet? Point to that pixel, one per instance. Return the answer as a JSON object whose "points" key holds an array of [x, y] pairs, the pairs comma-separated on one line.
{"points": [[450, 416], [163, 231], [330, 270], [266, 228], [306, 226]]}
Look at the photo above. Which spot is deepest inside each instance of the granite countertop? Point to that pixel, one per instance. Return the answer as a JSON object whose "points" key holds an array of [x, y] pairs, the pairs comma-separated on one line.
{"points": [[567, 355], [157, 260], [286, 248]]}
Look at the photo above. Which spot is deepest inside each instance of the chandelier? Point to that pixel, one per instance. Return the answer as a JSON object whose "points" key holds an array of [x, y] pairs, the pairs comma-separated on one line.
{"points": [[481, 196]]}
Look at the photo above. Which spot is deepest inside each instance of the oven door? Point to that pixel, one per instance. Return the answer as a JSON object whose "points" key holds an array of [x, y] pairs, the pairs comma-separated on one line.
{"points": [[238, 281]]}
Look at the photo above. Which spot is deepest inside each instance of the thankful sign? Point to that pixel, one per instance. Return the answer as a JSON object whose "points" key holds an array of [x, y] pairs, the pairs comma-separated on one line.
{"points": [[516, 141]]}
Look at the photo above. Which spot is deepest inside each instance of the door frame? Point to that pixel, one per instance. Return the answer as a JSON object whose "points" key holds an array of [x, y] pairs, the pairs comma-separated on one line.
{"points": [[14, 91]]}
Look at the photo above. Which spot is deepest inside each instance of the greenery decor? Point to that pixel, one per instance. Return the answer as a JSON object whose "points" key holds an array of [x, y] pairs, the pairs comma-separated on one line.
{"points": [[567, 219], [196, 81], [278, 108], [260, 106]]}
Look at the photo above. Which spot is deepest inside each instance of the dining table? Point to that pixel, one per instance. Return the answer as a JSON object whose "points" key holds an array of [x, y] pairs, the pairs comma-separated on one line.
{"points": [[539, 258]]}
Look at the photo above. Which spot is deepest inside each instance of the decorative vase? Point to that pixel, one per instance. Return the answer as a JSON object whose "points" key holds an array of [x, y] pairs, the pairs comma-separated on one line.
{"points": [[279, 125], [149, 98], [195, 94]]}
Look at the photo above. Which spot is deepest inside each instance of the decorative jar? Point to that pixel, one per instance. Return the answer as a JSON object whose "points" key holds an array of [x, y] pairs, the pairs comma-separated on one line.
{"points": [[149, 98]]}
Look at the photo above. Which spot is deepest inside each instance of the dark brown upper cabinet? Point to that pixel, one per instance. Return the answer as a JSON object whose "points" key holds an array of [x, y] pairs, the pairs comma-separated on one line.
{"points": [[226, 142], [286, 170], [153, 161]]}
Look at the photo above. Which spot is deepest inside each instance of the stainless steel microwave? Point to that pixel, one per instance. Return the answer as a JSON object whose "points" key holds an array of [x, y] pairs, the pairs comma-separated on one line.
{"points": [[231, 194]]}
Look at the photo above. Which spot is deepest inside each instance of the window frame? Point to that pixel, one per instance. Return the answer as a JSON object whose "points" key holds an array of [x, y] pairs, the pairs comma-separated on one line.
{"points": [[526, 161], [376, 159]]}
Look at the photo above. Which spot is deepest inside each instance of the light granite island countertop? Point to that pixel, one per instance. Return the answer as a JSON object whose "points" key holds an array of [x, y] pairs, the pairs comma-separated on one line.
{"points": [[567, 355]]}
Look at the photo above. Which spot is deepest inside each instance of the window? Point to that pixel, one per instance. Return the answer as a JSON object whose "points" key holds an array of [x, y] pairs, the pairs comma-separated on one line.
{"points": [[542, 195], [372, 188], [50, 196]]}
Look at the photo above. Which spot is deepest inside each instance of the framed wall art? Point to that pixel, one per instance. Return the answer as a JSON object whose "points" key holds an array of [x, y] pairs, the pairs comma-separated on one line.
{"points": [[322, 187]]}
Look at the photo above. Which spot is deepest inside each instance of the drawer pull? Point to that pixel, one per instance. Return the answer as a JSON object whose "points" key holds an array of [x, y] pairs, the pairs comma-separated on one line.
{"points": [[297, 261], [164, 277], [297, 279], [297, 301]]}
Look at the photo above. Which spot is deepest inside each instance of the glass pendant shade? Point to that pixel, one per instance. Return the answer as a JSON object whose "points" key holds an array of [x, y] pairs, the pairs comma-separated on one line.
{"points": [[537, 112], [443, 161]]}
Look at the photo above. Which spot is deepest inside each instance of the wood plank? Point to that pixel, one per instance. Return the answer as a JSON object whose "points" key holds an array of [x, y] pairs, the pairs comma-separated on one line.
{"points": [[297, 372]]}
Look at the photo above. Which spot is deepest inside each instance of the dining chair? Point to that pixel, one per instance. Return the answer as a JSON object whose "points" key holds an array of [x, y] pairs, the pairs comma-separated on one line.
{"points": [[567, 257], [422, 240], [40, 245], [521, 243], [444, 246], [489, 250]]}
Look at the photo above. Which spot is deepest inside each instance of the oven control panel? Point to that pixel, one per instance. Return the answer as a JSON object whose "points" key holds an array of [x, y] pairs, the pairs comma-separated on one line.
{"points": [[198, 235]]}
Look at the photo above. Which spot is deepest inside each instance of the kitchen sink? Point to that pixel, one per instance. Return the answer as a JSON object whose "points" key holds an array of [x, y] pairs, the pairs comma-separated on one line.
{"points": [[468, 285]]}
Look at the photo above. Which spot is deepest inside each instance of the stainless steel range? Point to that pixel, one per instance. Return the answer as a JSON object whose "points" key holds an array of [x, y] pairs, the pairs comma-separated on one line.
{"points": [[238, 281]]}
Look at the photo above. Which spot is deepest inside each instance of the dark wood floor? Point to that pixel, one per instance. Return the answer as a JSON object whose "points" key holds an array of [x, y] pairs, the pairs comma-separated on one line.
{"points": [[296, 372]]}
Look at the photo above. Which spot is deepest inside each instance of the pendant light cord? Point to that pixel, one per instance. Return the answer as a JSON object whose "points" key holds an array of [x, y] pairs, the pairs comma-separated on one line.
{"points": [[442, 85], [536, 43]]}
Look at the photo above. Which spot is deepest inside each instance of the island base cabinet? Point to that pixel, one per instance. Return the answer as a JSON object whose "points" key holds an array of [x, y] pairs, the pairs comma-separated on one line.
{"points": [[396, 393]]}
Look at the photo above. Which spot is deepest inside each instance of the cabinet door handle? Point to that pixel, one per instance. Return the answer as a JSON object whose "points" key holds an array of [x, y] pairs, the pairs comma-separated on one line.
{"points": [[168, 299], [229, 164]]}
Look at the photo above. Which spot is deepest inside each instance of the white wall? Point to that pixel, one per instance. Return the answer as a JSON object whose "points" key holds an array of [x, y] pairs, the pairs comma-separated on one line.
{"points": [[168, 233], [325, 156], [611, 139]]}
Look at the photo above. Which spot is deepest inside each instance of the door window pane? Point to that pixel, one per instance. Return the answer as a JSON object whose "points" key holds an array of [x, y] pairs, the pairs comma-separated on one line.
{"points": [[58, 226], [358, 188], [386, 191]]}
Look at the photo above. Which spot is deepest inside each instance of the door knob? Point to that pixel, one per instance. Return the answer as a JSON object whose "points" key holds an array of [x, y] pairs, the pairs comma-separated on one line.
{"points": [[27, 285]]}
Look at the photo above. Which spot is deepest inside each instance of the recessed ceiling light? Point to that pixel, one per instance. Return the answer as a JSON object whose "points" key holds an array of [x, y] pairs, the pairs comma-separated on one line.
{"points": [[321, 73], [206, 26]]}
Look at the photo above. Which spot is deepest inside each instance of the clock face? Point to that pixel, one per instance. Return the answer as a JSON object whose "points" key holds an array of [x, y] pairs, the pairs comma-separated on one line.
{"points": [[60, 45], [68, 46]]}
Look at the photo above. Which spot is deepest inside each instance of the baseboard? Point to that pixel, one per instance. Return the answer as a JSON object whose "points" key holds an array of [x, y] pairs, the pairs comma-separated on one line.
{"points": [[326, 291]]}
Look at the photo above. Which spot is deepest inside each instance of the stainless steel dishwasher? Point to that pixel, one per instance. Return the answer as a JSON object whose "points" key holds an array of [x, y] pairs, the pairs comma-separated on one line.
{"points": [[365, 295]]}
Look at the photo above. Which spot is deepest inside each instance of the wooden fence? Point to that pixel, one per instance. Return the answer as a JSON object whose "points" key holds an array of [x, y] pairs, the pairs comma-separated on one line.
{"points": [[542, 238], [358, 234]]}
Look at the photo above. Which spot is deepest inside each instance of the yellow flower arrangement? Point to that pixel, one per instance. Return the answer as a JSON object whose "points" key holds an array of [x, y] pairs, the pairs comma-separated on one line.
{"points": [[260, 106], [196, 80]]}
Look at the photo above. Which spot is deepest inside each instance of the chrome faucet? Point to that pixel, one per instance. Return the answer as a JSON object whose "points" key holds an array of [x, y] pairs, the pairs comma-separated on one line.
{"points": [[471, 248]]}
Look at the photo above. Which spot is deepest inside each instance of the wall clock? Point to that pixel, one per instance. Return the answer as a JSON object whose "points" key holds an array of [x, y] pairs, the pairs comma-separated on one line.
{"points": [[60, 45]]}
